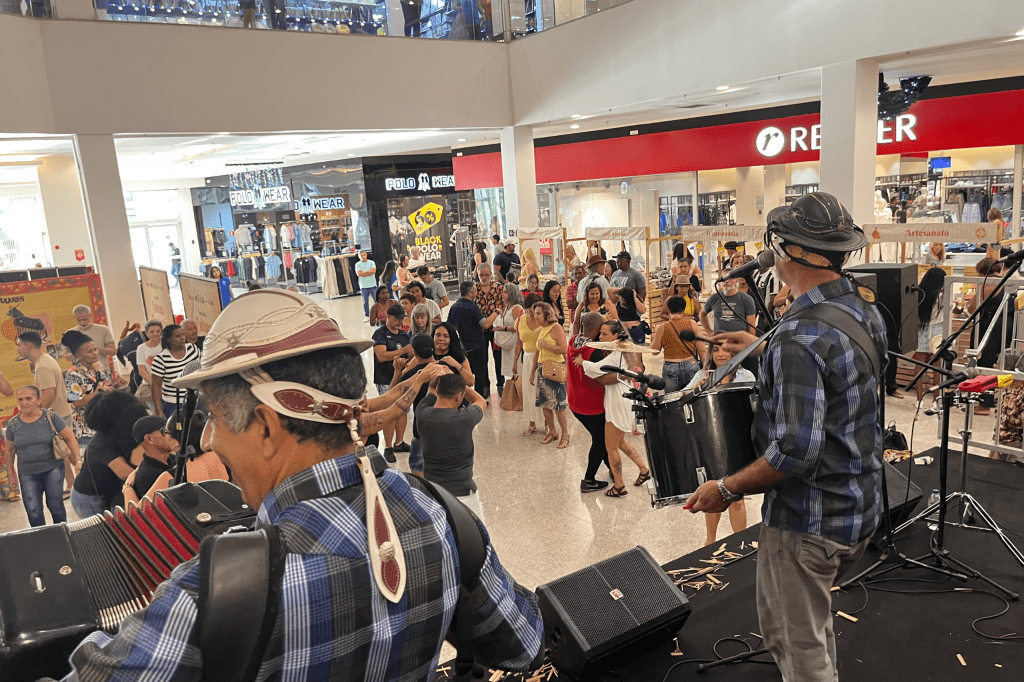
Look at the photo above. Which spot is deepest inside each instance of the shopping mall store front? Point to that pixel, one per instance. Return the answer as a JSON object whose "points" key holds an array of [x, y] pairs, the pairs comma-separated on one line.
{"points": [[953, 155]]}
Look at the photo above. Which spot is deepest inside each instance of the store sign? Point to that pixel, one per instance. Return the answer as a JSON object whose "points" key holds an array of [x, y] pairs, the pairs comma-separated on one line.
{"points": [[313, 204], [771, 141], [261, 197], [424, 182]]}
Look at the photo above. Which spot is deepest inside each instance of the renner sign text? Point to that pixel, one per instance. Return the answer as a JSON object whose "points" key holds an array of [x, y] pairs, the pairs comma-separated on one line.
{"points": [[771, 141]]}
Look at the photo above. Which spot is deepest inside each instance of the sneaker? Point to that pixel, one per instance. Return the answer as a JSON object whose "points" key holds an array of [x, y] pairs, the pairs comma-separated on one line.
{"points": [[389, 455], [402, 447], [366, 319], [592, 486]]}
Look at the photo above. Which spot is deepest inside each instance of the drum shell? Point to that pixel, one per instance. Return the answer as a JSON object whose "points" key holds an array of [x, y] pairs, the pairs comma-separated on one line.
{"points": [[699, 437]]}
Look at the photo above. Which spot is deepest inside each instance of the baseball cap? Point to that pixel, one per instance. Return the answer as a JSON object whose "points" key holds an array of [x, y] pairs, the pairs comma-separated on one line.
{"points": [[145, 426], [624, 255], [510, 240]]}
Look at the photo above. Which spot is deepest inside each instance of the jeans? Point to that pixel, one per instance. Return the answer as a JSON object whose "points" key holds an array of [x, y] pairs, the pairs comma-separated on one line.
{"points": [[170, 408], [478, 365], [678, 374], [87, 505], [51, 484], [594, 424], [368, 299], [411, 14], [416, 455]]}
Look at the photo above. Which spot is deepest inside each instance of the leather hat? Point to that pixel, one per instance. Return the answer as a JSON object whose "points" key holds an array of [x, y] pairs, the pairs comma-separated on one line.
{"points": [[817, 222], [594, 260]]}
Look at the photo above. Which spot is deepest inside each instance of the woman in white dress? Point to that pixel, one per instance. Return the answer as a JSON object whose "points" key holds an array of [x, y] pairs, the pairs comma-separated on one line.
{"points": [[505, 335], [737, 510], [618, 411]]}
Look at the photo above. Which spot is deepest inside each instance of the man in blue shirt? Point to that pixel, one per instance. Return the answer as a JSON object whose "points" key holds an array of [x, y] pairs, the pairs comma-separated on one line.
{"points": [[819, 434], [363, 596], [366, 270], [471, 322]]}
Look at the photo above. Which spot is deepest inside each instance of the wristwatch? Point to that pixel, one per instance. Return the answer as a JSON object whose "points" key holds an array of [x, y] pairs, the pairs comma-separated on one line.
{"points": [[727, 496]]}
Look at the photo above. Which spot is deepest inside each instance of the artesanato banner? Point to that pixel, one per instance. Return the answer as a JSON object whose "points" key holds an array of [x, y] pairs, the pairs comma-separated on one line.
{"points": [[539, 233], [932, 232], [201, 296], [722, 233], [43, 306], [624, 233]]}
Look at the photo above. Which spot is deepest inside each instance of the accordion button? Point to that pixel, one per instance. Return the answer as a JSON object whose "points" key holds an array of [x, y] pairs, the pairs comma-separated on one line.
{"points": [[65, 570]]}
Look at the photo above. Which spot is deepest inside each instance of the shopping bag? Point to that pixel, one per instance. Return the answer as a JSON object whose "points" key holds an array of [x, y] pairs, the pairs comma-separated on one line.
{"points": [[512, 395]]}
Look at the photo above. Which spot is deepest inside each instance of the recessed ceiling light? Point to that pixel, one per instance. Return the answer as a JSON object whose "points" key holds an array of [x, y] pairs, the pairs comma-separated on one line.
{"points": [[461, 139], [223, 133], [576, 116], [574, 126], [722, 87], [1019, 33], [351, 155]]}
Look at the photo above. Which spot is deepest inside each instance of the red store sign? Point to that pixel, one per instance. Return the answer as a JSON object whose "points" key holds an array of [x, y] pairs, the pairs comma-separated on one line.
{"points": [[963, 122]]}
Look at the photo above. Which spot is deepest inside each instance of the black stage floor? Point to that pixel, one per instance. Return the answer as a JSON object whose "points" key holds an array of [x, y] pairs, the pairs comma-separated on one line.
{"points": [[906, 637]]}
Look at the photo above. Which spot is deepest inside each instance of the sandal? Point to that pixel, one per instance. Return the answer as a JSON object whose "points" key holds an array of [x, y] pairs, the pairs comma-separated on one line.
{"points": [[563, 443], [549, 438], [643, 478], [616, 492], [530, 430]]}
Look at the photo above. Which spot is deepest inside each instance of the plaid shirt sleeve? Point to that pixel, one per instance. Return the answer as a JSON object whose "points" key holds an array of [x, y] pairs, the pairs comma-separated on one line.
{"points": [[155, 645]]}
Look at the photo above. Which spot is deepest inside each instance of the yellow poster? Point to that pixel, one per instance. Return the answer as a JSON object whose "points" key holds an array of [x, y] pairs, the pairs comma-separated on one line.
{"points": [[156, 295], [43, 306], [425, 217], [201, 296]]}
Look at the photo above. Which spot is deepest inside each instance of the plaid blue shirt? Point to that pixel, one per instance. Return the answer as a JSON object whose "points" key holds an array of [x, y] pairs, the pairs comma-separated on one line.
{"points": [[333, 623], [818, 421]]}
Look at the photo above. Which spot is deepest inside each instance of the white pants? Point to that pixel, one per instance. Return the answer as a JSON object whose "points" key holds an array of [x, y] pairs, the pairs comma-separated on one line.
{"points": [[472, 501], [530, 409]]}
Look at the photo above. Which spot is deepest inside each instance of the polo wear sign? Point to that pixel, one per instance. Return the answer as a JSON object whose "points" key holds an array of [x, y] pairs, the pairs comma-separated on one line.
{"points": [[313, 204], [421, 183], [259, 189]]}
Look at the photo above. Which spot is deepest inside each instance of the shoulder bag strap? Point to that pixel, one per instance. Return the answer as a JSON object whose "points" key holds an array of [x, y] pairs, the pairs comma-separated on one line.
{"points": [[49, 419], [836, 317]]}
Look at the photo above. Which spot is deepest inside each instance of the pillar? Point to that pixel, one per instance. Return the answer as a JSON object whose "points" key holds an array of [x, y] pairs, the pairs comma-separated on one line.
{"points": [[849, 131], [519, 171], [775, 177], [1018, 182], [749, 186], [111, 240], [66, 222]]}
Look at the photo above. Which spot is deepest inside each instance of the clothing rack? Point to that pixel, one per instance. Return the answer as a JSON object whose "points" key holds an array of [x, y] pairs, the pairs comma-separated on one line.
{"points": [[717, 208]]}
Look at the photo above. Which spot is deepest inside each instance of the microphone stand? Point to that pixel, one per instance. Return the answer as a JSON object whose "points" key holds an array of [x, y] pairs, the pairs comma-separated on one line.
{"points": [[185, 451], [942, 559]]}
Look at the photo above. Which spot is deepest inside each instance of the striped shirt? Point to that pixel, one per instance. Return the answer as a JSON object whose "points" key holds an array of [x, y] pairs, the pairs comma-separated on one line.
{"points": [[168, 367], [818, 421], [333, 623]]}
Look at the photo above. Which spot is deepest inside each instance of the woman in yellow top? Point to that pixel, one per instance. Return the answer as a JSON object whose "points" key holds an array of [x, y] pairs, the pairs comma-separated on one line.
{"points": [[551, 395], [684, 290], [529, 331]]}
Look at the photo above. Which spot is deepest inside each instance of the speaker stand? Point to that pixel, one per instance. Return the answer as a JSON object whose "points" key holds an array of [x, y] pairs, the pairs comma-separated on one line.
{"points": [[732, 659]]}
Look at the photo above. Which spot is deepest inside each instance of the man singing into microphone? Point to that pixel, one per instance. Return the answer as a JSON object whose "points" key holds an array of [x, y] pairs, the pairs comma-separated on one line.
{"points": [[818, 429]]}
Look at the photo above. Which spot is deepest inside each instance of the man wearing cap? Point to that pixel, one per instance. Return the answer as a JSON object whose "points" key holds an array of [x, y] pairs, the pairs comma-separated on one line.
{"points": [[625, 277], [364, 596], [505, 260], [594, 266], [390, 342], [818, 430], [157, 445]]}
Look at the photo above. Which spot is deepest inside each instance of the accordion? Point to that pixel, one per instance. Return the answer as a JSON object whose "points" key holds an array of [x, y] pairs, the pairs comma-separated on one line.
{"points": [[60, 583]]}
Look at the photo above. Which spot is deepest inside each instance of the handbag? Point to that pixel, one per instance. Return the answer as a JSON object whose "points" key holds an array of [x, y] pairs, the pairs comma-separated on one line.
{"points": [[61, 450], [554, 370], [506, 340], [512, 395]]}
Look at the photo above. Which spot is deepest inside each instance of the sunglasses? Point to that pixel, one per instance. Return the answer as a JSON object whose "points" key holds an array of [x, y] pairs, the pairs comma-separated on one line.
{"points": [[164, 431]]}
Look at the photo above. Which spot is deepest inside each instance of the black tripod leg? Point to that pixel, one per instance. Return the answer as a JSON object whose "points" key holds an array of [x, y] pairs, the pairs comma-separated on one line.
{"points": [[978, 576], [732, 659]]}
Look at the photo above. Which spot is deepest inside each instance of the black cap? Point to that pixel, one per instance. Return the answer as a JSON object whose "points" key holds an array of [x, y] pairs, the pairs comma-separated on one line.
{"points": [[732, 245], [623, 255], [423, 345], [145, 426], [396, 311]]}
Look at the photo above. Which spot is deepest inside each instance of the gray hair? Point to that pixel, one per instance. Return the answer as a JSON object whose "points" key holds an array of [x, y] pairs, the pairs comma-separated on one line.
{"points": [[337, 371], [153, 323], [515, 296], [420, 309], [81, 308], [33, 388]]}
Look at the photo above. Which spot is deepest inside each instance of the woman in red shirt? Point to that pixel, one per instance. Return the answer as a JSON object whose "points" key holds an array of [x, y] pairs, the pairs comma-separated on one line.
{"points": [[586, 398]]}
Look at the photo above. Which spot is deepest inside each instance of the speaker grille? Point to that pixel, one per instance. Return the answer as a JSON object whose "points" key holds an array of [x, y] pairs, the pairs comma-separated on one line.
{"points": [[586, 597]]}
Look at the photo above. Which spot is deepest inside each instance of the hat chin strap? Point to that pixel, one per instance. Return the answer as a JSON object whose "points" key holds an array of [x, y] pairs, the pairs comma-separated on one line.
{"points": [[298, 401]]}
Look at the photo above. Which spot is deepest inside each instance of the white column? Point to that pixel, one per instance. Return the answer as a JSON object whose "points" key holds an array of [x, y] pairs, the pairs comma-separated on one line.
{"points": [[519, 172], [774, 186], [1018, 181], [849, 131], [396, 18], [64, 208], [74, 9], [749, 186], [111, 241]]}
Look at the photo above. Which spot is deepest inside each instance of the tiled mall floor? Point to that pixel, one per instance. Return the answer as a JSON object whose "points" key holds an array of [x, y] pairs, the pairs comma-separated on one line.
{"points": [[540, 523]]}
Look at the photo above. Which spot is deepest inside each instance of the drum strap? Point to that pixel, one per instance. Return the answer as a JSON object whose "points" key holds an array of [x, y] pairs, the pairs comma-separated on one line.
{"points": [[836, 317]]}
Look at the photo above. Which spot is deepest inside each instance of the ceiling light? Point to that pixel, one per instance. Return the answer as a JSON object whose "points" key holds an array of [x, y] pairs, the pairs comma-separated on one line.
{"points": [[223, 133], [574, 126], [461, 139], [576, 116], [351, 155], [1019, 33], [722, 87]]}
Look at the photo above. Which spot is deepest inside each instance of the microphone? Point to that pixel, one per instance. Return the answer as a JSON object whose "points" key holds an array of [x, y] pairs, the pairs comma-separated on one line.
{"points": [[984, 383], [689, 335], [968, 373], [652, 380], [764, 260], [1016, 256]]}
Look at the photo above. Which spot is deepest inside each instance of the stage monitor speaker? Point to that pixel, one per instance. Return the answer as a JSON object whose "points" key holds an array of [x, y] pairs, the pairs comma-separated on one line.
{"points": [[901, 501], [897, 292], [611, 612]]}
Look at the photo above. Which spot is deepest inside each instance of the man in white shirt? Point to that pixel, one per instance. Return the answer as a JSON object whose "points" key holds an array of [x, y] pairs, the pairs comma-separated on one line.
{"points": [[435, 290], [416, 259], [100, 334]]}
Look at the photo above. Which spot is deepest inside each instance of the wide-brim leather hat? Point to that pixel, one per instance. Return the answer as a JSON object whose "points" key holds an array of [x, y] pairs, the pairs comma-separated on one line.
{"points": [[263, 326], [594, 260], [819, 222]]}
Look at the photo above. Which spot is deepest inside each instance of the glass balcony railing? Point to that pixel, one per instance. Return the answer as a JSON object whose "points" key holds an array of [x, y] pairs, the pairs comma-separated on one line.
{"points": [[488, 20]]}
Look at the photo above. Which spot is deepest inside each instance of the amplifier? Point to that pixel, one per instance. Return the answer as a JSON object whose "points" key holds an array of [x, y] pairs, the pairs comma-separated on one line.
{"points": [[605, 614]]}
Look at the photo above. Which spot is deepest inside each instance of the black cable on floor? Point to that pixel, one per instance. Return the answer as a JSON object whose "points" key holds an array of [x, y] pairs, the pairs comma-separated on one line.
{"points": [[864, 606], [719, 657]]}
